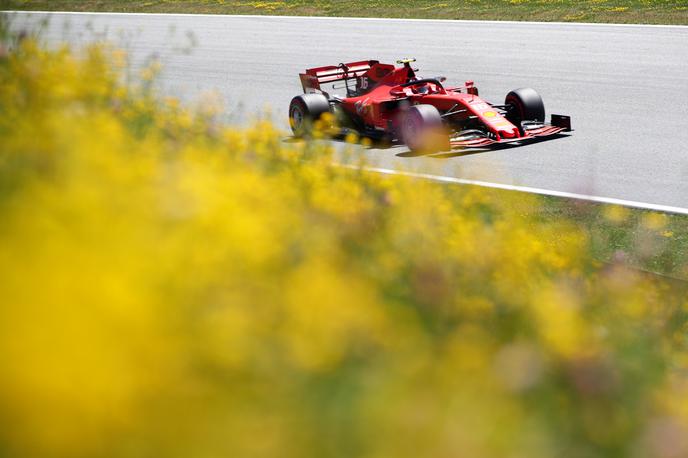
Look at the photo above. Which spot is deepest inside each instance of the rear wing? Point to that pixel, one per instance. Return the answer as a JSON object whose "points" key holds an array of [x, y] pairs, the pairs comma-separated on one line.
{"points": [[314, 77]]}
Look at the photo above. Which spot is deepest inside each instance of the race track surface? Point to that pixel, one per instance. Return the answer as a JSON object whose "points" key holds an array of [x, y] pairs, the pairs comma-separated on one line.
{"points": [[626, 87]]}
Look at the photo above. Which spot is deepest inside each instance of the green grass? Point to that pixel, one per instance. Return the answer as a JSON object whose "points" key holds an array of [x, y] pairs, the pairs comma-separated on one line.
{"points": [[642, 239], [649, 241], [613, 11]]}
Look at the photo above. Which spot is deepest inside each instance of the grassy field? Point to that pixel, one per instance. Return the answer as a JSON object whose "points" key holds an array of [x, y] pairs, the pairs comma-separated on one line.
{"points": [[650, 241], [614, 11]]}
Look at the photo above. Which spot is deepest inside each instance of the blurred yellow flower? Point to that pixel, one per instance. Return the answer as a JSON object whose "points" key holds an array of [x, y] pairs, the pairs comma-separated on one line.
{"points": [[172, 286], [616, 213]]}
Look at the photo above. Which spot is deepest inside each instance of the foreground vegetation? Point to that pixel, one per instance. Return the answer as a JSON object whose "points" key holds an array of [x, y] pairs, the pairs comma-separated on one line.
{"points": [[616, 11], [173, 287]]}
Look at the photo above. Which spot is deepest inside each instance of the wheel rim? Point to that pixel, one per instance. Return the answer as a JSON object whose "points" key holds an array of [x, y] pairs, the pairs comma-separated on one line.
{"points": [[296, 117]]}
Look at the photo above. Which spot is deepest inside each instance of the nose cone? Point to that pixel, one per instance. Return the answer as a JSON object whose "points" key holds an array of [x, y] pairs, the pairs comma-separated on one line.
{"points": [[509, 132], [500, 125]]}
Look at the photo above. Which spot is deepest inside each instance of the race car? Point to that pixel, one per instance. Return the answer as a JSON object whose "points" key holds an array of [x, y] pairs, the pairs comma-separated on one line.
{"points": [[387, 102]]}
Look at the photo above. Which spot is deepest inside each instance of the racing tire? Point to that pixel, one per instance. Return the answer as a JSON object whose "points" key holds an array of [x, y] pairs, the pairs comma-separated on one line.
{"points": [[524, 104], [421, 129], [305, 111]]}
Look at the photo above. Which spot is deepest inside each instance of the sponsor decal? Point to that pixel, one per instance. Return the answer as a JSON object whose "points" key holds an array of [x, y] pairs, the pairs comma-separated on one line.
{"points": [[362, 106]]}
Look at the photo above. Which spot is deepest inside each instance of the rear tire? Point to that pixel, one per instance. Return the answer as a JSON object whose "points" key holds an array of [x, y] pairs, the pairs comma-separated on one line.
{"points": [[422, 130], [304, 112], [524, 104]]}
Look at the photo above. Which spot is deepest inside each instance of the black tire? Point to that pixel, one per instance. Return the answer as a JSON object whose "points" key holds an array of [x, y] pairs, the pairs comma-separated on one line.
{"points": [[421, 129], [304, 111], [524, 104]]}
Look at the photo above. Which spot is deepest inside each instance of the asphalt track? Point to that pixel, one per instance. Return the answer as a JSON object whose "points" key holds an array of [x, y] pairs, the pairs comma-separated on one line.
{"points": [[626, 87]]}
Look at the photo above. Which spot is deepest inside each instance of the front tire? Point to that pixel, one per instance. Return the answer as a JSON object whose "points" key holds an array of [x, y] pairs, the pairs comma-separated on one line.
{"points": [[305, 111], [524, 104], [422, 130]]}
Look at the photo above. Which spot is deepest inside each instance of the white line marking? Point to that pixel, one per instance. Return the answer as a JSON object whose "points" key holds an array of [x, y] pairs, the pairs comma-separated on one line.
{"points": [[346, 18], [509, 187]]}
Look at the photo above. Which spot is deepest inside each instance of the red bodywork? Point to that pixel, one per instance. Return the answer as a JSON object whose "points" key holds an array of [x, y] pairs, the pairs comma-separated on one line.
{"points": [[382, 90]]}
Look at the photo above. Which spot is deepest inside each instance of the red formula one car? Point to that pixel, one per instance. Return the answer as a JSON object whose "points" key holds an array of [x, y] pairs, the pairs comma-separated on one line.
{"points": [[387, 102]]}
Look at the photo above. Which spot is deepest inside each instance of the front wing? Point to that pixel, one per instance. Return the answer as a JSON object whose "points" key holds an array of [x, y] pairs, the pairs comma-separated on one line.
{"points": [[531, 130]]}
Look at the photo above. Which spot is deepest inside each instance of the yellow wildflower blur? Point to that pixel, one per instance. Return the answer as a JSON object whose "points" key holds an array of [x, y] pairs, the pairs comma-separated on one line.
{"points": [[172, 287]]}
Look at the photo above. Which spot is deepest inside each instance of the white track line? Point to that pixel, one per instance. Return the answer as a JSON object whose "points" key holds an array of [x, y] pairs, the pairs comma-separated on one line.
{"points": [[346, 18], [509, 187]]}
